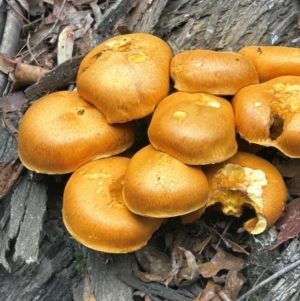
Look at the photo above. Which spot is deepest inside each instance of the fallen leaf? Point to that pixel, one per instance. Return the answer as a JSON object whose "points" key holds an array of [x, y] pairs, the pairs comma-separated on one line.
{"points": [[65, 44], [289, 223], [26, 75], [184, 268], [234, 282], [154, 261], [209, 293], [234, 246], [221, 261], [200, 246], [6, 63], [288, 168], [293, 185]]}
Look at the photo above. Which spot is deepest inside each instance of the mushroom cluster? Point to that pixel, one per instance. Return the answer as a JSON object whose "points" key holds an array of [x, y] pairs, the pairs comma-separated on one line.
{"points": [[192, 160]]}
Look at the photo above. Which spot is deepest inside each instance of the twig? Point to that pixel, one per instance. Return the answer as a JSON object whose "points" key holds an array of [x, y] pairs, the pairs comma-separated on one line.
{"points": [[17, 12], [274, 276], [30, 49]]}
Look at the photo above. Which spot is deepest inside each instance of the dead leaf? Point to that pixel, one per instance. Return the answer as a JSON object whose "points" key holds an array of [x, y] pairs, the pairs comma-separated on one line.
{"points": [[234, 282], [289, 223], [209, 293], [200, 246], [26, 75], [293, 185], [154, 261], [234, 246], [6, 63], [288, 168], [65, 44], [221, 261], [184, 268]]}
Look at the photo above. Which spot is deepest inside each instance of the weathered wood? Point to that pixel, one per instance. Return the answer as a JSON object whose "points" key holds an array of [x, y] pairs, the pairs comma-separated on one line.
{"points": [[30, 232], [156, 290], [12, 28]]}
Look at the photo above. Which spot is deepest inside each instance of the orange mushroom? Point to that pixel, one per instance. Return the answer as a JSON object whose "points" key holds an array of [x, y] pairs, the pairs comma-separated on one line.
{"points": [[213, 72], [246, 180], [269, 114], [158, 185], [61, 131], [273, 61], [195, 128], [94, 211], [126, 76]]}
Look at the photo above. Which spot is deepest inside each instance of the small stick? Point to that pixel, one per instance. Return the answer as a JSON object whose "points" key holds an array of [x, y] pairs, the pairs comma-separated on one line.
{"points": [[274, 276]]}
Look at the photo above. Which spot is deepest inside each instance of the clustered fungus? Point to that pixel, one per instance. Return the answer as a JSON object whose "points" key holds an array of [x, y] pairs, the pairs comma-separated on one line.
{"points": [[192, 160]]}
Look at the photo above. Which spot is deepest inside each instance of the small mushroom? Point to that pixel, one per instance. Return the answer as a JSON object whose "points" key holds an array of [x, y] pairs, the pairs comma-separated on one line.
{"points": [[126, 76], [94, 211], [195, 128], [269, 114], [273, 61], [61, 131], [213, 72], [246, 180], [158, 185]]}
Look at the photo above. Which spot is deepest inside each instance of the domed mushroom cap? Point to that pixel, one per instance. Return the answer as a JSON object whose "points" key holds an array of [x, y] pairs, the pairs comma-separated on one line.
{"points": [[61, 131], [195, 128], [126, 76], [158, 185], [273, 61], [207, 71], [246, 180], [94, 211], [269, 114]]}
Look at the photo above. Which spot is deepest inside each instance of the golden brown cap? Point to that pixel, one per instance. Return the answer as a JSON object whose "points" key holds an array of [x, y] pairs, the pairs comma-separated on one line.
{"points": [[246, 180], [61, 131], [273, 61], [126, 76], [94, 211], [158, 185], [207, 71], [195, 128], [269, 114]]}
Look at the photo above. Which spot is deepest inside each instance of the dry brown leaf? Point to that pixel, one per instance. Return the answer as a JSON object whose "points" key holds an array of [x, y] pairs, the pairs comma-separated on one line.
{"points": [[200, 246], [234, 282], [26, 75], [289, 168], [65, 44], [149, 277], [289, 223], [6, 63], [154, 261], [234, 246], [209, 293], [293, 185], [184, 268], [221, 261]]}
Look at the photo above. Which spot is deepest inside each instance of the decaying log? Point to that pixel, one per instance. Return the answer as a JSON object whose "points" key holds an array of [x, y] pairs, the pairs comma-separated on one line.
{"points": [[9, 41], [38, 258]]}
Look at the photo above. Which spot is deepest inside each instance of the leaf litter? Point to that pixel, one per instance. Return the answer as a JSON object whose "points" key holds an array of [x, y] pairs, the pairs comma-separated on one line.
{"points": [[216, 259]]}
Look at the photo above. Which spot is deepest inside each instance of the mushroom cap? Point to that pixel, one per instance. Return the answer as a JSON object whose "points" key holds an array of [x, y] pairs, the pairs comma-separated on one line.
{"points": [[126, 76], [208, 71], [195, 128], [246, 180], [61, 131], [94, 212], [158, 185], [269, 114], [273, 61]]}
